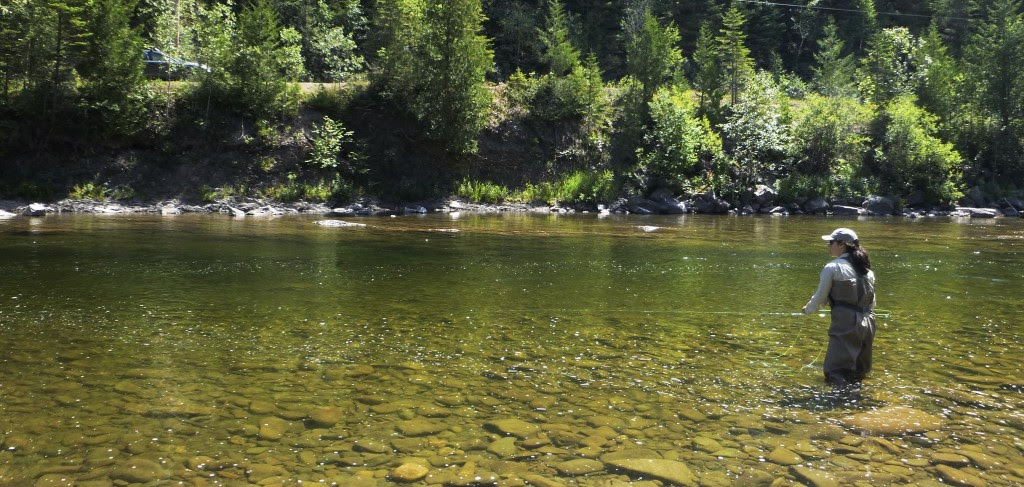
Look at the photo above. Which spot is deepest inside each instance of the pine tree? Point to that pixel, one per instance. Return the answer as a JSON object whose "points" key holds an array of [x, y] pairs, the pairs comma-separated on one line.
{"points": [[399, 27], [708, 82], [559, 52], [833, 75], [941, 91], [996, 79], [264, 62], [113, 78], [736, 62], [451, 98], [652, 55]]}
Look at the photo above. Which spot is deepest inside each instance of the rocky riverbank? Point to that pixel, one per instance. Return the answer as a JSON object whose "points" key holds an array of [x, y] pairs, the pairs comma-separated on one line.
{"points": [[763, 200]]}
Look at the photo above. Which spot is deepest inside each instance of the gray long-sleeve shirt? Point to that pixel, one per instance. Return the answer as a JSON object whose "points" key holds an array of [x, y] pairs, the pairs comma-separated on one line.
{"points": [[838, 270]]}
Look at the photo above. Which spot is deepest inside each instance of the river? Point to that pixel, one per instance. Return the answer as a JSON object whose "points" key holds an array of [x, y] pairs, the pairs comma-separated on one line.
{"points": [[509, 350]]}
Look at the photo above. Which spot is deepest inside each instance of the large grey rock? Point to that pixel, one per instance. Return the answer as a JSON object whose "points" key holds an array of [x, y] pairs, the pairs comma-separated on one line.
{"points": [[879, 205], [416, 209], [979, 212], [671, 471], [36, 209], [765, 195], [977, 196], [841, 210], [816, 205], [641, 205], [710, 204]]}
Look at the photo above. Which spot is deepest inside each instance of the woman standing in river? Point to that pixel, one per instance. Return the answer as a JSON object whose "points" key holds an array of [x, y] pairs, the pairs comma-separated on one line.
{"points": [[848, 285]]}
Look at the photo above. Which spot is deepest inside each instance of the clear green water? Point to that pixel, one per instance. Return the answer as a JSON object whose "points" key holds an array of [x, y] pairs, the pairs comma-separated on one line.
{"points": [[167, 343]]}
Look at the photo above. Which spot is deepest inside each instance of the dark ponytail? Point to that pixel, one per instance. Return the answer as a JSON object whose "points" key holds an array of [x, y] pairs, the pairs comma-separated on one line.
{"points": [[859, 258]]}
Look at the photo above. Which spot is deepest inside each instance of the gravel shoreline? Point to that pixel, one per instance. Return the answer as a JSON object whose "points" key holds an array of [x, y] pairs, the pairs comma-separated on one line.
{"points": [[702, 204]]}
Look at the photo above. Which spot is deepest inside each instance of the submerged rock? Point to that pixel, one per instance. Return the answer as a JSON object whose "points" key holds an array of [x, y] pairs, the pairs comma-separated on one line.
{"points": [[894, 420], [817, 478], [409, 472], [513, 427], [665, 470], [338, 223]]}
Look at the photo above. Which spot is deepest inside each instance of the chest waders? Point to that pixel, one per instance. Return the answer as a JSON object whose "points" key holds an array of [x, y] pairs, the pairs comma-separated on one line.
{"points": [[851, 332]]}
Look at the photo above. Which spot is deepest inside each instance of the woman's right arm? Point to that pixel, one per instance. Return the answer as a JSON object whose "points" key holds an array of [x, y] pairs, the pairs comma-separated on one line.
{"points": [[821, 295]]}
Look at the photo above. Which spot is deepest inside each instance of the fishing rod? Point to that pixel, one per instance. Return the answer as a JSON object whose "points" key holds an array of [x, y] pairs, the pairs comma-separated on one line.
{"points": [[881, 313]]}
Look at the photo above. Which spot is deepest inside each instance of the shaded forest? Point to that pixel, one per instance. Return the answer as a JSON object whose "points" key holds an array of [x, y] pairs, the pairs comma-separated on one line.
{"points": [[534, 101]]}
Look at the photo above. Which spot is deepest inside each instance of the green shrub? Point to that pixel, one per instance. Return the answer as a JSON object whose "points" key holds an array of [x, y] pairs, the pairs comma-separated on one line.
{"points": [[758, 130], [909, 157], [540, 193], [830, 131], [209, 195], [671, 145], [586, 187], [482, 191], [329, 140], [88, 191]]}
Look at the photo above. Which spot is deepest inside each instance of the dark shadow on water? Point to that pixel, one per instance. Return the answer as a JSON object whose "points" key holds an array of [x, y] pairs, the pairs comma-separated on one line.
{"points": [[826, 397]]}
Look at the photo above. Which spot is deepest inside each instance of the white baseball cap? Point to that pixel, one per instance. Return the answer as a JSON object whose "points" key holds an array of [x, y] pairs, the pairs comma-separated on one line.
{"points": [[842, 235]]}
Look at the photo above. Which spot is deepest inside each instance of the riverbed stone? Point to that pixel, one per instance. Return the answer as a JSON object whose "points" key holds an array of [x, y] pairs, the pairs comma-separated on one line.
{"points": [[258, 472], [752, 477], [951, 459], [408, 472], [273, 428], [138, 470], [665, 470], [504, 447], [959, 477], [326, 416], [541, 481], [514, 427], [630, 453], [579, 466], [814, 477], [893, 420], [784, 456], [419, 427], [370, 445], [55, 480]]}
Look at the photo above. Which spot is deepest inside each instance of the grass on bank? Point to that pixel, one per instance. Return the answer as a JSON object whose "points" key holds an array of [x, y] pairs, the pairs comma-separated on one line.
{"points": [[576, 187], [91, 190]]}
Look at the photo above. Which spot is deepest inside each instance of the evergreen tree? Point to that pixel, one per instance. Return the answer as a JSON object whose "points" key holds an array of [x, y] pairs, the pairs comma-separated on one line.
{"points": [[652, 55], [996, 78], [709, 81], [113, 80], [941, 91], [12, 45], [264, 63], [833, 75], [451, 98], [559, 52], [399, 27], [952, 21], [735, 57], [890, 68], [330, 51]]}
